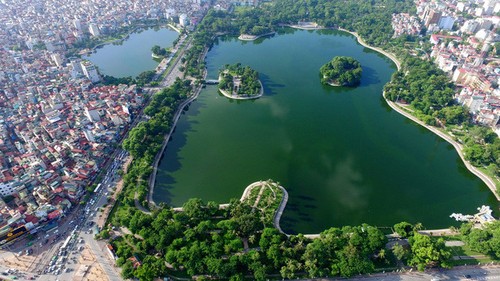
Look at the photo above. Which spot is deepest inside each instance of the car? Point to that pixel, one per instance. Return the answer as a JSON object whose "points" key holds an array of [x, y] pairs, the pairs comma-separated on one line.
{"points": [[467, 276]]}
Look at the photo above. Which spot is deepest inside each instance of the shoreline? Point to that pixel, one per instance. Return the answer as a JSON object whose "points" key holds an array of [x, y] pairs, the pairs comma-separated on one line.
{"points": [[124, 37], [166, 138], [174, 28], [458, 147], [248, 37], [483, 177], [309, 26]]}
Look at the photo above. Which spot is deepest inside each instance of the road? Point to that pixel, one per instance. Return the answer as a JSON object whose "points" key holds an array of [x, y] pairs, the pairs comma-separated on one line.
{"points": [[459, 273], [54, 263]]}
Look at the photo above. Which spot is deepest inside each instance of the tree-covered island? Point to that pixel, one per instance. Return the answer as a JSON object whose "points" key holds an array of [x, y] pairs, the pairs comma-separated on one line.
{"points": [[341, 71], [239, 82], [159, 52]]}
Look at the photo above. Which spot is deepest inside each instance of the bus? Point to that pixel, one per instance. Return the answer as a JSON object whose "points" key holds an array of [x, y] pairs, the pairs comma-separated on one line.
{"points": [[97, 188]]}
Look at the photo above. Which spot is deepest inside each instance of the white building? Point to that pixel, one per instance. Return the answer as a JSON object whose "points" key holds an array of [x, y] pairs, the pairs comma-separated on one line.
{"points": [[470, 26], [183, 20], [90, 71], [77, 24], [7, 189], [94, 29], [89, 136], [92, 115], [57, 59]]}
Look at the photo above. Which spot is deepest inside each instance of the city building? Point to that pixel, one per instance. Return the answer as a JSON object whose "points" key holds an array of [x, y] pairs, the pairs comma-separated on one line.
{"points": [[90, 71]]}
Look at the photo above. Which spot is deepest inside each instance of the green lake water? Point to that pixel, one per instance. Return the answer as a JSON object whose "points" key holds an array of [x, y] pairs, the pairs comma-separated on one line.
{"points": [[343, 154], [132, 56]]}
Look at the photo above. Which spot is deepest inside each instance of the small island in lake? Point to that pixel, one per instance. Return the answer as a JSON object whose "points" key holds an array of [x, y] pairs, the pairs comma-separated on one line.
{"points": [[341, 71], [158, 52], [240, 82]]}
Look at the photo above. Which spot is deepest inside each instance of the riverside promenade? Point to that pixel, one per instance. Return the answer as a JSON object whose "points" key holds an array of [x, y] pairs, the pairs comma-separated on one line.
{"points": [[401, 110], [167, 81]]}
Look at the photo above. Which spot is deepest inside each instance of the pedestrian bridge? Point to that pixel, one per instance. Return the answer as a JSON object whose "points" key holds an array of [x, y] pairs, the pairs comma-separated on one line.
{"points": [[211, 82]]}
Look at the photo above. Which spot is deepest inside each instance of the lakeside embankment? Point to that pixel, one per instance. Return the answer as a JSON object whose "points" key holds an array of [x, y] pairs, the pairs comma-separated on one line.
{"points": [[458, 147], [306, 26], [174, 28], [152, 177], [125, 36], [248, 37]]}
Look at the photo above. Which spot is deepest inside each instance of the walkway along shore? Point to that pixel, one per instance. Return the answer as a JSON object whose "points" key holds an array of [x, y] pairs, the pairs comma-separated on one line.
{"points": [[126, 36], [458, 147], [152, 176]]}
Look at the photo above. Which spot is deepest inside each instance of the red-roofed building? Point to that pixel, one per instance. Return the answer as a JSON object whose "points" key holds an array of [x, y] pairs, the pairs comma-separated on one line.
{"points": [[54, 215], [30, 218]]}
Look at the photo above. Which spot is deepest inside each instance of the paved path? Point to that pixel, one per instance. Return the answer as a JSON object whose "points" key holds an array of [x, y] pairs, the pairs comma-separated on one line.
{"points": [[458, 147], [169, 80], [458, 273]]}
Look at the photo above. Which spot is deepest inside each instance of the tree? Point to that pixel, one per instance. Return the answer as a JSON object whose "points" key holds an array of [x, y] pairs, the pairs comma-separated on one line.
{"points": [[478, 240], [428, 253], [194, 208], [158, 51], [400, 252], [127, 270], [404, 229], [343, 71]]}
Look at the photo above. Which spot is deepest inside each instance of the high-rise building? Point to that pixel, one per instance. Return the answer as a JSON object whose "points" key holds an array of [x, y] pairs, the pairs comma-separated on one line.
{"points": [[94, 29], [183, 20], [77, 24], [470, 26], [90, 71], [57, 59]]}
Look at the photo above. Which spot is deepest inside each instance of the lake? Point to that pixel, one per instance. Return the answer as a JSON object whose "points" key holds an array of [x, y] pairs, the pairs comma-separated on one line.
{"points": [[132, 56], [343, 154]]}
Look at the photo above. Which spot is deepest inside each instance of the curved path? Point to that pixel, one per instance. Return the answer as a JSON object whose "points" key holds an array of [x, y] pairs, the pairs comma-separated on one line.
{"points": [[167, 81], [152, 177], [458, 147]]}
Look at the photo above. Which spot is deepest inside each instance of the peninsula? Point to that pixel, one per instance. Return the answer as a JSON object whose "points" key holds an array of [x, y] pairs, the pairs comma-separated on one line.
{"points": [[341, 71], [239, 82], [251, 37]]}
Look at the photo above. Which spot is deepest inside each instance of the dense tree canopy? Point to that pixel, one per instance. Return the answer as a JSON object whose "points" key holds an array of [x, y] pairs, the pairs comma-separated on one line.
{"points": [[237, 242], [159, 51], [343, 71], [428, 252], [485, 240], [240, 80], [203, 240]]}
